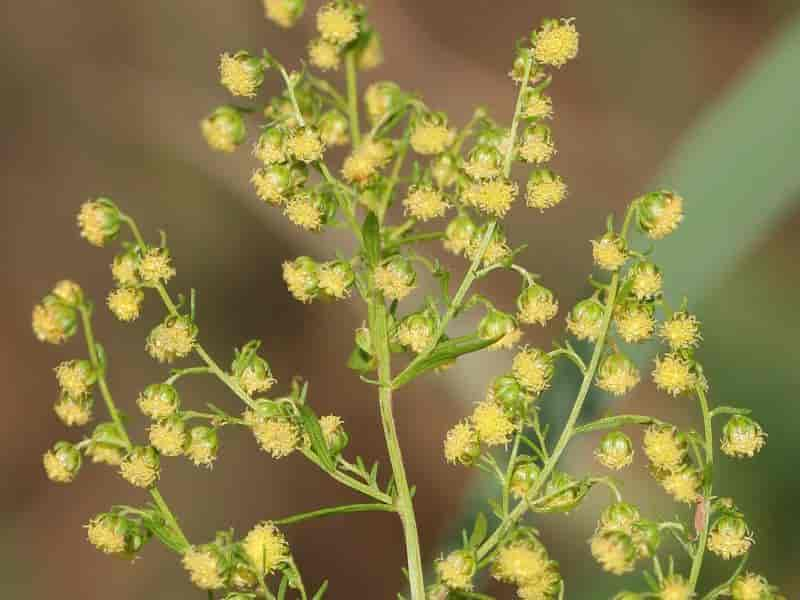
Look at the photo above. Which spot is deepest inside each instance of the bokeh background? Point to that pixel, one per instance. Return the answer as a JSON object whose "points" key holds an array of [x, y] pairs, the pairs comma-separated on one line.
{"points": [[105, 98]]}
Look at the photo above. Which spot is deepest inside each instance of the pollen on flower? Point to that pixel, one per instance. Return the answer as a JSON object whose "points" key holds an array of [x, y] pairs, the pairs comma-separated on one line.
{"points": [[510, 339], [729, 538], [615, 451], [240, 74], [520, 563], [140, 468], [168, 437], [370, 156], [106, 534], [305, 145], [171, 339], [304, 213], [269, 151], [556, 43], [742, 436], [673, 374], [496, 251], [126, 303], [681, 331], [331, 425], [663, 446], [336, 24], [667, 218], [537, 147], [415, 333], [492, 424], [647, 283], [683, 484], [617, 375], [544, 587], [48, 324], [278, 437], [254, 381], [265, 547], [431, 138], [155, 265], [456, 570], [204, 568], [493, 197], [267, 187], [675, 587], [283, 12], [750, 587], [614, 550], [97, 223], [74, 377], [425, 203], [158, 401], [537, 305], [394, 283], [201, 448], [461, 445], [545, 192], [324, 55], [73, 411], [483, 163], [634, 323], [56, 468], [538, 106], [585, 321], [533, 368], [124, 269], [301, 278], [336, 279], [105, 454], [609, 253]]}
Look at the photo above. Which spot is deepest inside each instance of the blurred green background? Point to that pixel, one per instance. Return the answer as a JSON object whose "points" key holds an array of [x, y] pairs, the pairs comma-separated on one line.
{"points": [[104, 98]]}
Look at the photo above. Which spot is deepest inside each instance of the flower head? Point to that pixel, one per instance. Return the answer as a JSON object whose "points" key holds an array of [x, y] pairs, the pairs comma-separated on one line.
{"points": [[520, 562], [665, 447], [159, 401], [742, 436], [284, 12], [168, 436], [431, 135], [536, 304], [174, 338], [54, 321], [615, 551], [425, 203], [302, 278], [533, 368], [461, 445], [456, 570], [537, 145], [106, 445], [619, 516], [155, 266], [501, 325], [241, 73], [459, 233], [647, 281], [205, 567], [370, 55], [484, 162], [277, 436], [617, 374], [333, 128], [304, 212], [751, 587], [270, 146], [556, 43], [107, 533], [615, 451], [683, 484], [381, 98], [493, 197], [416, 331], [395, 278], [659, 213], [265, 547], [272, 183], [525, 474], [545, 189], [365, 162], [223, 129], [681, 331], [305, 145], [333, 432], [140, 467], [537, 106], [202, 445], [336, 278], [126, 303], [729, 537], [75, 377], [74, 410], [675, 587], [585, 320], [635, 322], [494, 427], [62, 463], [609, 252], [125, 269], [324, 55], [99, 221], [674, 374], [337, 24]]}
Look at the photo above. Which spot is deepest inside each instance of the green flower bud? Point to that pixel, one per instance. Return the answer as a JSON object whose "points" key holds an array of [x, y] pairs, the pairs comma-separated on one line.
{"points": [[242, 577], [615, 451], [484, 161], [507, 391], [224, 129], [159, 400], [659, 213], [382, 98], [270, 148], [536, 304], [729, 537], [336, 279], [172, 339], [99, 221], [272, 183], [416, 331], [742, 436], [302, 278], [107, 444], [617, 374], [459, 234], [202, 445], [525, 474], [619, 516], [333, 128], [585, 320], [250, 370], [241, 73], [518, 68], [444, 169], [74, 410], [333, 431], [54, 321], [497, 137], [456, 570], [141, 466], [562, 501], [501, 325], [62, 463]]}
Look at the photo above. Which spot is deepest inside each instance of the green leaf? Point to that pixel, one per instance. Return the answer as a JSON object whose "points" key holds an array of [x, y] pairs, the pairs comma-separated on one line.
{"points": [[370, 234], [360, 361], [443, 353], [479, 531], [312, 428]]}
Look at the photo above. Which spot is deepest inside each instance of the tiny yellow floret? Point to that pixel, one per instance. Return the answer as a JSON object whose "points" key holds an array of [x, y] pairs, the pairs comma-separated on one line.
{"points": [[266, 547], [681, 331], [324, 55], [492, 424], [461, 445], [673, 374], [126, 303], [556, 43], [336, 24], [156, 266], [204, 568], [425, 203]]}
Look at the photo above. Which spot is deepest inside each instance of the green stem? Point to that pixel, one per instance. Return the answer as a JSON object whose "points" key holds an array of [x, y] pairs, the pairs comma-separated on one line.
{"points": [[697, 559], [403, 502], [395, 174], [510, 468], [352, 98], [568, 431], [334, 510]]}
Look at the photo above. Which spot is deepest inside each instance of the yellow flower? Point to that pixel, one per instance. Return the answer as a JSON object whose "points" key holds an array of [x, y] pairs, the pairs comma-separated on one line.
{"points": [[750, 587], [370, 156], [556, 43], [53, 322], [174, 338], [416, 332], [660, 213], [75, 377], [202, 446], [107, 533], [493, 426], [742, 436], [303, 212], [615, 451], [140, 467], [324, 55], [396, 278], [305, 145], [332, 429], [544, 587], [585, 321], [609, 252], [537, 145], [614, 550], [62, 463], [155, 265], [425, 203], [371, 55], [278, 437], [168, 437], [381, 98], [431, 136], [241, 73], [301, 277], [674, 375], [647, 281], [664, 446], [126, 303], [158, 401], [204, 568], [545, 189], [533, 368], [99, 221], [496, 251], [520, 563], [537, 106], [458, 234], [269, 148], [484, 162], [634, 323], [617, 374], [105, 454], [223, 129], [73, 410], [683, 484], [284, 12], [336, 279], [456, 570], [461, 444], [336, 24], [675, 587], [536, 304], [493, 197], [729, 537], [265, 547], [681, 331]]}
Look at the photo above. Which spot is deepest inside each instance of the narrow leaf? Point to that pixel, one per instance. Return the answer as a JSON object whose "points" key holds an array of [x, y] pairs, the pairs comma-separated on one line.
{"points": [[370, 233], [311, 426]]}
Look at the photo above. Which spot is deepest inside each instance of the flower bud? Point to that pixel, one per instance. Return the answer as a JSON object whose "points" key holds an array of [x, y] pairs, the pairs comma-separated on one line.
{"points": [[301, 277], [493, 425], [74, 410], [585, 321], [615, 551], [545, 189], [168, 436], [54, 321], [337, 23], [272, 183], [75, 377], [126, 303], [681, 331], [310, 211], [251, 371], [68, 292], [266, 548], [172, 339], [324, 55], [615, 451], [751, 587], [430, 134], [425, 203], [395, 278], [155, 266], [729, 537], [493, 197], [456, 570], [62, 463], [159, 401], [665, 446], [461, 445], [107, 532], [675, 374], [609, 252], [537, 105], [675, 587], [742, 436], [241, 73], [205, 566], [336, 279], [370, 54], [533, 368], [683, 484], [223, 129], [501, 325], [525, 474], [270, 148], [305, 145], [416, 331], [333, 431], [646, 281], [106, 445], [634, 322], [99, 221], [459, 233], [484, 162], [284, 12], [382, 98], [202, 445], [520, 562], [617, 374], [507, 391], [659, 213], [141, 466], [537, 144], [333, 128], [556, 43], [619, 516], [276, 435], [562, 501]]}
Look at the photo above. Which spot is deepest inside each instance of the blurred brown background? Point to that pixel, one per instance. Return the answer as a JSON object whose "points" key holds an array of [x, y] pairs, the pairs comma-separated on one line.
{"points": [[105, 98]]}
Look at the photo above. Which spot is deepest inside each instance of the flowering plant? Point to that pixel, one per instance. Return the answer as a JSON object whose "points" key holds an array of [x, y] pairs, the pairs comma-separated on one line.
{"points": [[463, 174]]}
